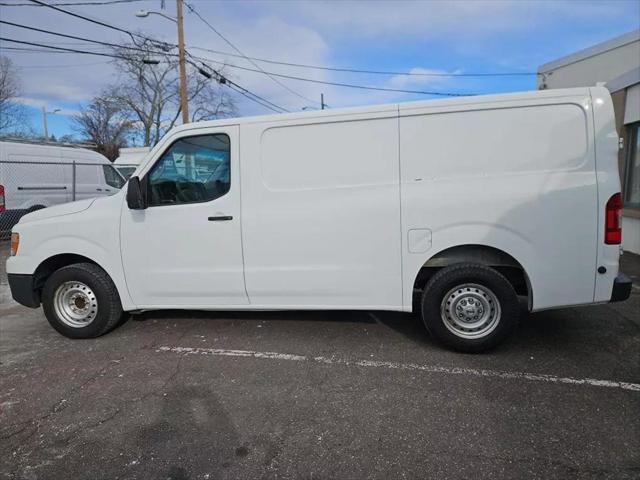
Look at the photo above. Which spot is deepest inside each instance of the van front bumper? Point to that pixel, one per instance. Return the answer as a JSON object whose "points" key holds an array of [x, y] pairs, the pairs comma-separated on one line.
{"points": [[621, 288], [22, 290]]}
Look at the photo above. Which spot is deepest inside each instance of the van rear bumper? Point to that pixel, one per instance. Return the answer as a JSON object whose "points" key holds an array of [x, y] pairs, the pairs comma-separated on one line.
{"points": [[22, 290], [621, 288]]}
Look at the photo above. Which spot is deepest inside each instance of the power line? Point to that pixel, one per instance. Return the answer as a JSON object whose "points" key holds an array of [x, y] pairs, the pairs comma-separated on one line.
{"points": [[259, 70], [290, 90], [31, 50], [72, 50], [292, 77], [232, 87], [340, 84], [255, 97], [84, 39], [77, 15], [270, 61], [63, 66], [243, 91], [70, 43], [370, 72], [69, 4], [238, 88], [99, 22], [119, 46], [132, 35]]}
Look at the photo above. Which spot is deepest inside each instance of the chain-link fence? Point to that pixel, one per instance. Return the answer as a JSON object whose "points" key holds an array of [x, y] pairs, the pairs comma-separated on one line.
{"points": [[26, 186]]}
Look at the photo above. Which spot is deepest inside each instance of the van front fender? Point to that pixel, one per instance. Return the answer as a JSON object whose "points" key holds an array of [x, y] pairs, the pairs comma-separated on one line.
{"points": [[33, 258]]}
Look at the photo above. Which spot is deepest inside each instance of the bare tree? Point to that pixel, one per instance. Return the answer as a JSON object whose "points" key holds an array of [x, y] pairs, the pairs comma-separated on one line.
{"points": [[151, 92], [105, 123], [212, 102], [12, 115]]}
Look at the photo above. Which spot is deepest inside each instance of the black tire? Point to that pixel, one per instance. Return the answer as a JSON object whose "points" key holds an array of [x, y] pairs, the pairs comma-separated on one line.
{"points": [[109, 308], [443, 284]]}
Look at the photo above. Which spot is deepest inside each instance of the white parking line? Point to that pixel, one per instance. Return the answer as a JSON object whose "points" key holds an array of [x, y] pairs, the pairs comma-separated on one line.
{"points": [[533, 377]]}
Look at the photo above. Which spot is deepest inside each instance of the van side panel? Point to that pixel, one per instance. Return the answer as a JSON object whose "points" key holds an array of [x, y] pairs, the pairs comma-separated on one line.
{"points": [[321, 218], [35, 180], [519, 177]]}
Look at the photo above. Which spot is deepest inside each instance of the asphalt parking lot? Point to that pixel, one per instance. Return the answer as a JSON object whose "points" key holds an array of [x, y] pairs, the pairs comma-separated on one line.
{"points": [[319, 395]]}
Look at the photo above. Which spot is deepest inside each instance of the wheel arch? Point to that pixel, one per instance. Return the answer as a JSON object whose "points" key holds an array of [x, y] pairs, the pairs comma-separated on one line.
{"points": [[37, 201], [55, 262], [37, 206], [480, 254]]}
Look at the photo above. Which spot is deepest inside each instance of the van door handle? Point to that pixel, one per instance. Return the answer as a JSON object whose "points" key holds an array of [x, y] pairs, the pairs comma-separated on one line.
{"points": [[221, 218]]}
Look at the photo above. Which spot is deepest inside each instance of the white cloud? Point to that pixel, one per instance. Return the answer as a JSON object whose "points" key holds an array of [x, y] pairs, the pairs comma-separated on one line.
{"points": [[50, 107], [422, 77], [428, 19], [272, 38]]}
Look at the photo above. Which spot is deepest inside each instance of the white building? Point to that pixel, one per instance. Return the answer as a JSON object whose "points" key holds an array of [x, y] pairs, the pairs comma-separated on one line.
{"points": [[616, 63]]}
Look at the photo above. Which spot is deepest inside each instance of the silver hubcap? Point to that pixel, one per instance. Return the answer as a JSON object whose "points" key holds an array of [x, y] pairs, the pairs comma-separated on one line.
{"points": [[75, 304], [470, 311]]}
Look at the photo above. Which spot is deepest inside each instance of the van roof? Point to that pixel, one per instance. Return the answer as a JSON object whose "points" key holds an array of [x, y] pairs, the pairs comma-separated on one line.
{"points": [[35, 141], [63, 151], [380, 108]]}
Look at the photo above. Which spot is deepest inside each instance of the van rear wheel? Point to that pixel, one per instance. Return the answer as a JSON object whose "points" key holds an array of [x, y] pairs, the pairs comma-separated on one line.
{"points": [[469, 308], [81, 301]]}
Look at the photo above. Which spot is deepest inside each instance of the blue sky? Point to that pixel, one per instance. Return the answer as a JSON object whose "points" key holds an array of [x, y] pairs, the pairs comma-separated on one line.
{"points": [[440, 36]]}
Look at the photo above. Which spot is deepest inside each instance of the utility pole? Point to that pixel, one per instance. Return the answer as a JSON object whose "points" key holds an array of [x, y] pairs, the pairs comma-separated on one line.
{"points": [[44, 120], [179, 21], [44, 123], [322, 104], [184, 99]]}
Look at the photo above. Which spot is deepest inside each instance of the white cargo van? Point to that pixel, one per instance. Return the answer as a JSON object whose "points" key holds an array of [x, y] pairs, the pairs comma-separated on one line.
{"points": [[35, 176], [464, 204]]}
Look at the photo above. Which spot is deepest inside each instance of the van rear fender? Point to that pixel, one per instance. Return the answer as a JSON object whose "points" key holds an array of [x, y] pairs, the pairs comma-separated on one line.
{"points": [[497, 247]]}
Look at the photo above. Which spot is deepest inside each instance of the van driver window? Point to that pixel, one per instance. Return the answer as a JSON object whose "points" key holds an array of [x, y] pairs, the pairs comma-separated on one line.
{"points": [[193, 169]]}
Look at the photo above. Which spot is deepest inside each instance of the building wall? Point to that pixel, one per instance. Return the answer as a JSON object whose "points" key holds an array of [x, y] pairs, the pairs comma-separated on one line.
{"points": [[600, 63], [619, 99]]}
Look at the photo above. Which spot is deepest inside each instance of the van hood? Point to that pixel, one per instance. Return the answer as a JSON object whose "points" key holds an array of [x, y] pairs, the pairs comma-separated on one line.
{"points": [[57, 210]]}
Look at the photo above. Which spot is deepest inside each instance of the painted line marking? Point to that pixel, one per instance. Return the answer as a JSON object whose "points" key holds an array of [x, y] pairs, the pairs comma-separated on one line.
{"points": [[475, 372]]}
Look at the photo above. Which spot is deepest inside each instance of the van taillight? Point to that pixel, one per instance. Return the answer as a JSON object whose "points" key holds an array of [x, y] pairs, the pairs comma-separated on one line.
{"points": [[612, 221], [2, 206]]}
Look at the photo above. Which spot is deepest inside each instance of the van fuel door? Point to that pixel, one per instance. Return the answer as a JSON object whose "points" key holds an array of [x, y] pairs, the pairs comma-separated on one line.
{"points": [[418, 240]]}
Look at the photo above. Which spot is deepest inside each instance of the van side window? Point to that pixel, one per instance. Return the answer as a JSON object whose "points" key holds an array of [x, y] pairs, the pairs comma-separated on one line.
{"points": [[193, 169], [111, 177]]}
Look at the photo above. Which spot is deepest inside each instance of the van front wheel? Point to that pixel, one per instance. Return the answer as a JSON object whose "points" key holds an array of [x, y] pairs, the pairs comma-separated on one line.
{"points": [[469, 308], [81, 301]]}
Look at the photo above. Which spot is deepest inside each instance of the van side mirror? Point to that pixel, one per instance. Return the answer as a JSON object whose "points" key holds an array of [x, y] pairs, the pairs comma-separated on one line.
{"points": [[136, 200]]}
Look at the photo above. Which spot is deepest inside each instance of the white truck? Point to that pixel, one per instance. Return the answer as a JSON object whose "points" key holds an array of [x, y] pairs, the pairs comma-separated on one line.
{"points": [[462, 205], [35, 176]]}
